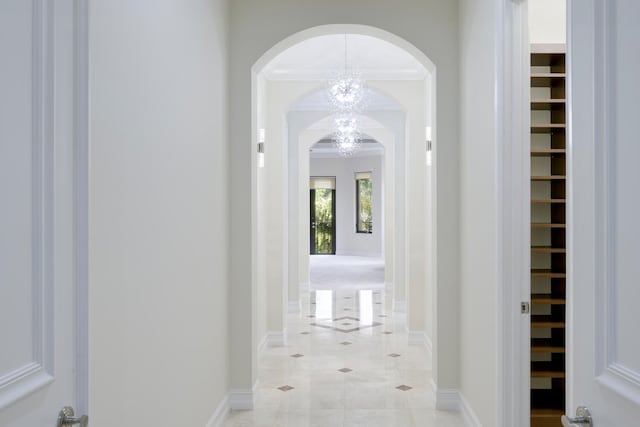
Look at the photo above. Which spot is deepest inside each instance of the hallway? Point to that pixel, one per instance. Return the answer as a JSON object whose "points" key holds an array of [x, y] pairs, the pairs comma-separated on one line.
{"points": [[347, 361]]}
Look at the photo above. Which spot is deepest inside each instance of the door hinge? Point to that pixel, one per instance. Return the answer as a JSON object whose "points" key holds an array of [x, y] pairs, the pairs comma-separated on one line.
{"points": [[524, 307]]}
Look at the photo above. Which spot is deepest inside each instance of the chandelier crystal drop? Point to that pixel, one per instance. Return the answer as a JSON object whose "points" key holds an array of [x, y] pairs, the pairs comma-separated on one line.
{"points": [[346, 94]]}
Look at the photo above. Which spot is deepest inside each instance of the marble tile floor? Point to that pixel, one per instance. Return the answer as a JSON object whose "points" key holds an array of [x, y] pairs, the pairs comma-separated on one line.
{"points": [[335, 375]]}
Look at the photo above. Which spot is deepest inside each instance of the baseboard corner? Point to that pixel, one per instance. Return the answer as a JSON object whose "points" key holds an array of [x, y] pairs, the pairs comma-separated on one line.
{"points": [[220, 414]]}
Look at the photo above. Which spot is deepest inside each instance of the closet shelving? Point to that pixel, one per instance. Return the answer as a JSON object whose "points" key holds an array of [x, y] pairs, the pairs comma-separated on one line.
{"points": [[548, 234]]}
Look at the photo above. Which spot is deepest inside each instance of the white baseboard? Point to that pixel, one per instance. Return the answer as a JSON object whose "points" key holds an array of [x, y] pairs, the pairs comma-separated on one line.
{"points": [[452, 400], [399, 306], [220, 415], [277, 338], [470, 417], [241, 399], [263, 343], [294, 306], [417, 338]]}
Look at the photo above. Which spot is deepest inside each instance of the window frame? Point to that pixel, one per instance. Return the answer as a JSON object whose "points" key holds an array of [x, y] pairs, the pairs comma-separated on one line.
{"points": [[360, 176]]}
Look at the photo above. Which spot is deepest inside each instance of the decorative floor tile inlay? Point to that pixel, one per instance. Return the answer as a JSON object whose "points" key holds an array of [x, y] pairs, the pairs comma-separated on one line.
{"points": [[346, 324], [394, 355], [346, 309], [387, 332], [404, 387], [297, 355], [345, 370], [305, 333], [345, 343], [285, 388], [382, 315], [311, 315], [347, 297]]}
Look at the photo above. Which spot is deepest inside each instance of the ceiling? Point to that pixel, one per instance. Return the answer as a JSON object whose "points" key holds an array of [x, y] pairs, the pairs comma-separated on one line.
{"points": [[322, 57]]}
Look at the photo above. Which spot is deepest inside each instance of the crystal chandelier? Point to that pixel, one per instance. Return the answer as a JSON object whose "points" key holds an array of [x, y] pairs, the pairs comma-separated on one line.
{"points": [[346, 95]]}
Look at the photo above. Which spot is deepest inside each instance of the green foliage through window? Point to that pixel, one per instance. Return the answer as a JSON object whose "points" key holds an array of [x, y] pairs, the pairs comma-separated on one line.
{"points": [[364, 207]]}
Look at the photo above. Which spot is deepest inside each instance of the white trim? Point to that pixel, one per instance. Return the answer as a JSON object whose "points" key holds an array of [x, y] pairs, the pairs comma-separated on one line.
{"points": [[36, 374], [453, 400], [512, 180], [429, 344], [399, 306], [81, 202], [417, 338], [276, 338], [263, 343], [470, 417], [241, 399], [294, 306], [220, 414], [447, 399]]}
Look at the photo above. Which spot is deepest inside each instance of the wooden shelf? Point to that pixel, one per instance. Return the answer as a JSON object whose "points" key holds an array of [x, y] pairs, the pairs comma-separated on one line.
{"points": [[547, 225], [548, 177], [548, 201], [546, 273], [547, 404], [541, 345], [547, 299], [547, 127], [548, 152], [540, 321], [547, 104], [546, 417], [547, 250], [546, 79]]}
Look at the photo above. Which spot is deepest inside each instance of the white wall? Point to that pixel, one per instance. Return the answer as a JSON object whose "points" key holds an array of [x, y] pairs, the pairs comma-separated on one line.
{"points": [[478, 209], [432, 27], [348, 242], [158, 217], [547, 21]]}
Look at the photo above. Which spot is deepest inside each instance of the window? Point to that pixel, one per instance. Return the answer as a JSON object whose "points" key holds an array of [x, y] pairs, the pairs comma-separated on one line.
{"points": [[364, 207]]}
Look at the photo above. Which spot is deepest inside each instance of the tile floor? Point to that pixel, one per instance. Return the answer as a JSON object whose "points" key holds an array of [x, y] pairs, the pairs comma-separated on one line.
{"points": [[347, 363]]}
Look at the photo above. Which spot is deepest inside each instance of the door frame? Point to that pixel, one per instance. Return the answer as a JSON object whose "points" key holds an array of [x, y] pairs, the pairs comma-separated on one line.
{"points": [[512, 124], [312, 246]]}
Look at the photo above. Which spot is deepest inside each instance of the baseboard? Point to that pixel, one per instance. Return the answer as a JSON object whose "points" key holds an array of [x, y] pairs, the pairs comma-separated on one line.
{"points": [[428, 343], [417, 338], [263, 343], [276, 339], [399, 306], [294, 306], [220, 415], [453, 400], [447, 399], [241, 399], [470, 417]]}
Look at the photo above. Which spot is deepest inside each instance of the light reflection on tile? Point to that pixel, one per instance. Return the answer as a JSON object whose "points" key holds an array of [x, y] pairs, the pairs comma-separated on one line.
{"points": [[338, 383]]}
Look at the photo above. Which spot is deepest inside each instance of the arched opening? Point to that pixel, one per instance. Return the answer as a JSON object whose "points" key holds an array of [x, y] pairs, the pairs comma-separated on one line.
{"points": [[287, 120]]}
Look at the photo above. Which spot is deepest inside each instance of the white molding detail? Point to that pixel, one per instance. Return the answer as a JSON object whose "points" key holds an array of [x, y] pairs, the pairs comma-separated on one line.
{"points": [[417, 338], [294, 306], [276, 339], [262, 344], [429, 344], [470, 417], [447, 399], [32, 376], [399, 306], [513, 207], [81, 208], [241, 399], [220, 414]]}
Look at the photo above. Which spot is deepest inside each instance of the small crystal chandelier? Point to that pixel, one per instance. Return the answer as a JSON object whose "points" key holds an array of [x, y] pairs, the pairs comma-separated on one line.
{"points": [[346, 95]]}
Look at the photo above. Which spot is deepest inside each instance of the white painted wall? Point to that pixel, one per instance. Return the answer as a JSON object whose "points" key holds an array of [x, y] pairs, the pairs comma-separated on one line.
{"points": [[432, 27], [159, 327], [478, 209], [348, 242], [547, 21]]}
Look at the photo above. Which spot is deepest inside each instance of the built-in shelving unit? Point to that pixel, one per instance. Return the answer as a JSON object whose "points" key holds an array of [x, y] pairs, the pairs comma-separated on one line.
{"points": [[548, 235]]}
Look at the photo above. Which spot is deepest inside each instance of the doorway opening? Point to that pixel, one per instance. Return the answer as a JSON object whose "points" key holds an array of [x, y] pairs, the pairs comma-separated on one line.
{"points": [[322, 215]]}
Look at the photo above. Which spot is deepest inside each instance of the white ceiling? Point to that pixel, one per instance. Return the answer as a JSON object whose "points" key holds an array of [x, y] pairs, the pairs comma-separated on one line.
{"points": [[373, 101], [320, 58]]}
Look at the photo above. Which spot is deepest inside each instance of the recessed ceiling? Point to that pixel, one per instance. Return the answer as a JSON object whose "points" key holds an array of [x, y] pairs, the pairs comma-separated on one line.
{"points": [[321, 58]]}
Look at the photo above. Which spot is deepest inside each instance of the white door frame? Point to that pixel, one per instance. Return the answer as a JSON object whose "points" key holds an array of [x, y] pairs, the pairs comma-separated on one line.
{"points": [[512, 124]]}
